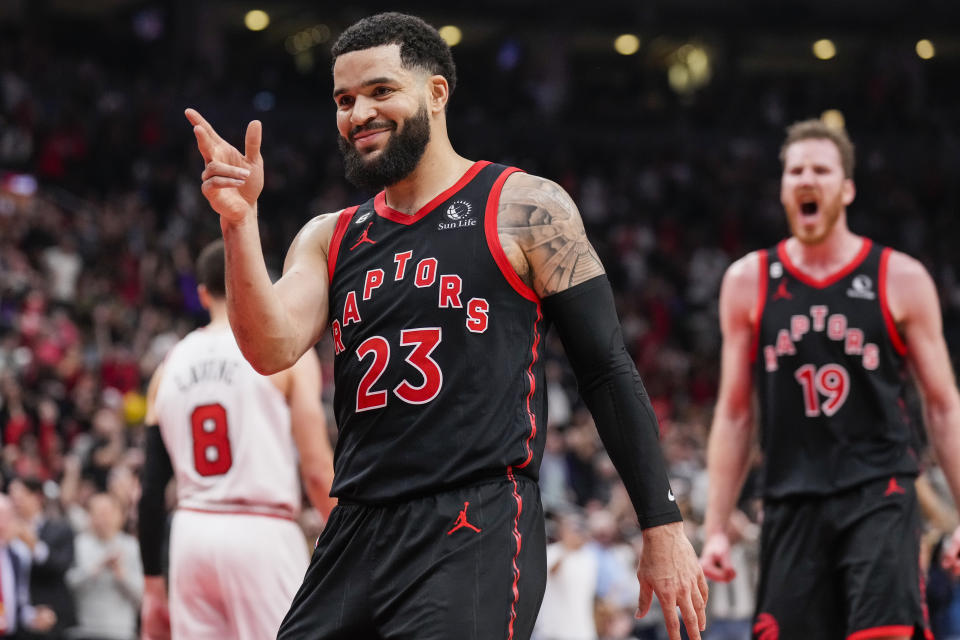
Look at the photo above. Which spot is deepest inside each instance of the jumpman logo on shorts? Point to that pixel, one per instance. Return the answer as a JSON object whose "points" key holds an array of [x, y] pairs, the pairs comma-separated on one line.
{"points": [[364, 237], [781, 293], [892, 488], [462, 520]]}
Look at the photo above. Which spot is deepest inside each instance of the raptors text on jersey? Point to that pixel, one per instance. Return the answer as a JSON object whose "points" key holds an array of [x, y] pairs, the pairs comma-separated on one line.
{"points": [[438, 369], [830, 371]]}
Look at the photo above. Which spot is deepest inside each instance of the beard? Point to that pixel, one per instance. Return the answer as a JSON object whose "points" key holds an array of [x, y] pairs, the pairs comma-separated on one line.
{"points": [[398, 158]]}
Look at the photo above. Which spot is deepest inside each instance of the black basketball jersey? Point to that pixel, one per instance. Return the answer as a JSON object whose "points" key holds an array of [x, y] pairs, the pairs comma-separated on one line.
{"points": [[438, 370], [830, 376]]}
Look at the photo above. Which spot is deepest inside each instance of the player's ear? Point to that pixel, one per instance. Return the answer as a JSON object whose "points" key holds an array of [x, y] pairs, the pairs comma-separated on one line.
{"points": [[849, 192], [204, 296], [438, 93]]}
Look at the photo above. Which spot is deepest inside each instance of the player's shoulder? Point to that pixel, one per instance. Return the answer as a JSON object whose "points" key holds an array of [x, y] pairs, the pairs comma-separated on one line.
{"points": [[904, 268], [316, 234], [526, 188], [745, 271], [908, 284]]}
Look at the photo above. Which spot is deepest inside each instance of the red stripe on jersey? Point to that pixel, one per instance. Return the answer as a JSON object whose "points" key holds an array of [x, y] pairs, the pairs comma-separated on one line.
{"points": [[342, 223], [822, 283], [761, 303], [519, 540], [386, 211], [882, 632], [533, 388], [493, 239], [895, 338]]}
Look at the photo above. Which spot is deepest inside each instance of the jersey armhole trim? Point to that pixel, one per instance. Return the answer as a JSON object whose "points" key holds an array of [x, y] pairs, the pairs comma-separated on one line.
{"points": [[343, 221], [761, 303], [493, 239], [895, 337]]}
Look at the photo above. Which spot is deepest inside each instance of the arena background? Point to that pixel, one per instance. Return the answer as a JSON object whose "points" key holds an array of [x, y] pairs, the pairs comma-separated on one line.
{"points": [[669, 146]]}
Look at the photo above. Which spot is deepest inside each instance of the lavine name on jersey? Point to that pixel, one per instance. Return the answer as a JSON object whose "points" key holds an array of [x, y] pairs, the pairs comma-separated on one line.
{"points": [[207, 371], [819, 320], [423, 273]]}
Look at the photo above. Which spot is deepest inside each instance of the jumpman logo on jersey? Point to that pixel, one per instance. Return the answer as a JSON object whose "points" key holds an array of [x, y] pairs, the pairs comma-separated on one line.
{"points": [[781, 293], [892, 488], [364, 237], [462, 521]]}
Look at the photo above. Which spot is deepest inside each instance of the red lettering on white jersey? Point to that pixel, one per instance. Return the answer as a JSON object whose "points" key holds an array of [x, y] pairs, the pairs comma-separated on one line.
{"points": [[401, 260], [477, 319], [785, 344], [373, 280], [854, 343], [450, 286], [819, 314], [350, 311], [799, 326], [770, 358], [338, 347], [837, 327], [426, 273], [871, 356]]}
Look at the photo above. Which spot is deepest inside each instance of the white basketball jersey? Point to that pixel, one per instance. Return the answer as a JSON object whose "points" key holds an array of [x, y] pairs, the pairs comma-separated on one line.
{"points": [[227, 430]]}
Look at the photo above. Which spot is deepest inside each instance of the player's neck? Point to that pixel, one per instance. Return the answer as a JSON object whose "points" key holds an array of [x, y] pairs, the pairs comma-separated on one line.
{"points": [[439, 169], [218, 316], [836, 250]]}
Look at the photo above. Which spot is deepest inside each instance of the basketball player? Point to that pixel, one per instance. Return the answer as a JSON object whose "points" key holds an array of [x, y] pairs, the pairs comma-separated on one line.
{"points": [[436, 292], [227, 434], [824, 324]]}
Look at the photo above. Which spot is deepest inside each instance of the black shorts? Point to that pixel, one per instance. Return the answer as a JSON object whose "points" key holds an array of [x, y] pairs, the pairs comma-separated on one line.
{"points": [[842, 567], [468, 563]]}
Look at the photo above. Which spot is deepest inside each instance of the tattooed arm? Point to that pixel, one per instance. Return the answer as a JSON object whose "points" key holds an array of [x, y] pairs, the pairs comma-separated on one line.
{"points": [[543, 236]]}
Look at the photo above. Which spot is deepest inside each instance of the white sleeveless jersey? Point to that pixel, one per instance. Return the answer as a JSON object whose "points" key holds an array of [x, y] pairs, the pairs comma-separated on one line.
{"points": [[227, 430]]}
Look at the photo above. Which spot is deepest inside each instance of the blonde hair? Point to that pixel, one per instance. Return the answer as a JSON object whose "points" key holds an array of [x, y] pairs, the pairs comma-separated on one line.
{"points": [[818, 130]]}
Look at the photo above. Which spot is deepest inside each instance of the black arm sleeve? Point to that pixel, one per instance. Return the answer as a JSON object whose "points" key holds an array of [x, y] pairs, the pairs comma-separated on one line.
{"points": [[157, 472], [586, 319]]}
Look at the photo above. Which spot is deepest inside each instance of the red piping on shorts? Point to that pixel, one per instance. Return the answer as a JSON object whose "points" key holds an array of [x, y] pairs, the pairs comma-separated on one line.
{"points": [[895, 338], [761, 303], [343, 221], [882, 632], [516, 555]]}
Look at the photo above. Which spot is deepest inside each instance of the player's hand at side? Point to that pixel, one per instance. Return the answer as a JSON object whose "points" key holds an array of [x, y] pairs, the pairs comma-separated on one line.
{"points": [[154, 613], [950, 558], [232, 181], [669, 568], [715, 558]]}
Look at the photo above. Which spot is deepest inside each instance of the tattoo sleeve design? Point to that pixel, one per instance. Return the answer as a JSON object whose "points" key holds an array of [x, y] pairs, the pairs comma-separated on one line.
{"points": [[538, 218]]}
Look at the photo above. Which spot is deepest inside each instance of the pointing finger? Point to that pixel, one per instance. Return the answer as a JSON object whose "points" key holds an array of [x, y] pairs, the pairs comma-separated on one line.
{"points": [[252, 142], [198, 120]]}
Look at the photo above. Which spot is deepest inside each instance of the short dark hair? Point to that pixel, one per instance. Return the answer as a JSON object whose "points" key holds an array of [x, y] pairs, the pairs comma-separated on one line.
{"points": [[819, 130], [420, 44], [211, 269]]}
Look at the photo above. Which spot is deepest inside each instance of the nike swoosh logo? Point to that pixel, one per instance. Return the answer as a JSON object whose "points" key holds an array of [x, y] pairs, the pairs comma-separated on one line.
{"points": [[670, 496]]}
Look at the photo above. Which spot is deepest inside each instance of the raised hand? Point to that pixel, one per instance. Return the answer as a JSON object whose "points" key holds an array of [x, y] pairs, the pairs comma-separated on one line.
{"points": [[232, 181]]}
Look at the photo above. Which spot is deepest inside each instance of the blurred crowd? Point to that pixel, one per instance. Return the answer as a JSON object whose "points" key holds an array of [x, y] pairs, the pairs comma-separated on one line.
{"points": [[101, 216]]}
